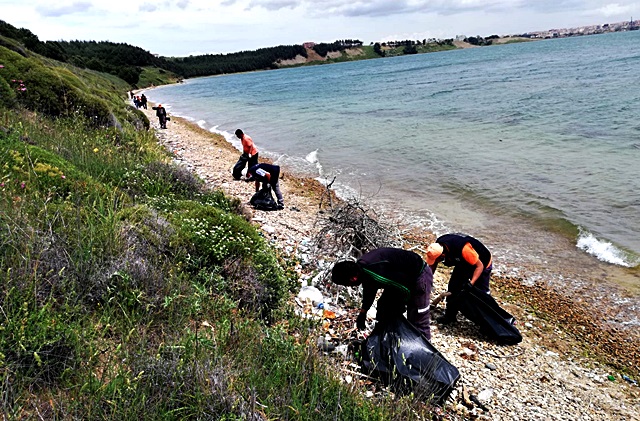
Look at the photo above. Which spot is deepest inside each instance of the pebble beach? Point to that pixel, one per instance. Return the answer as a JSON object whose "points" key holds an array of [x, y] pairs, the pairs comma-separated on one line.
{"points": [[562, 370]]}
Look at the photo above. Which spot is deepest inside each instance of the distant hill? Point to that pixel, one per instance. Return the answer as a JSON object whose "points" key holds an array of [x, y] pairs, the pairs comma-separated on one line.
{"points": [[140, 68], [129, 62]]}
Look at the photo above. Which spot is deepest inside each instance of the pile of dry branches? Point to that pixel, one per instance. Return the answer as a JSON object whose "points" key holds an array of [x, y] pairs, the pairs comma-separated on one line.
{"points": [[351, 229]]}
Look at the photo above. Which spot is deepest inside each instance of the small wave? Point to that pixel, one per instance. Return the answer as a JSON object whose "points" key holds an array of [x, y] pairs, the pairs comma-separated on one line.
{"points": [[312, 157], [603, 250], [202, 124], [229, 137]]}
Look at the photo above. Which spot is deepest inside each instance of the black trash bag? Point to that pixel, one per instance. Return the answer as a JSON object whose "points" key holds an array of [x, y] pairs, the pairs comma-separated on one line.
{"points": [[483, 310], [263, 200], [239, 166], [399, 355]]}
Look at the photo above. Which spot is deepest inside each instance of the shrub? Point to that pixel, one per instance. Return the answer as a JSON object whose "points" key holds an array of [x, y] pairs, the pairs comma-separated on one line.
{"points": [[36, 345], [214, 238]]}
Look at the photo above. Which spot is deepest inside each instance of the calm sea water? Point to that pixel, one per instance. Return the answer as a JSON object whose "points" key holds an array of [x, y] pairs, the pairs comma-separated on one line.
{"points": [[532, 147]]}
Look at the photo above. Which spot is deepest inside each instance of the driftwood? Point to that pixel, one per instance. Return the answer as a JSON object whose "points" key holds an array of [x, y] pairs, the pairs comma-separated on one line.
{"points": [[439, 298], [327, 192]]}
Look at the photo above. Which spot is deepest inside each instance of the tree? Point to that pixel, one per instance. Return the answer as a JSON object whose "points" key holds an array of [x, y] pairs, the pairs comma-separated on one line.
{"points": [[377, 49]]}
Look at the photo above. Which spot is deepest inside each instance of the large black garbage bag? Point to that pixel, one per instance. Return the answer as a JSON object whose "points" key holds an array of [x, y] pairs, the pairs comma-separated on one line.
{"points": [[402, 357], [263, 199], [483, 310], [239, 166]]}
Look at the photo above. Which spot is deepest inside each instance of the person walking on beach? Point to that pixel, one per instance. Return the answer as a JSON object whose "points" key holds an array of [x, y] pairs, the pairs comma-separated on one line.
{"points": [[143, 101], [249, 154], [161, 113], [404, 277], [267, 174], [472, 264]]}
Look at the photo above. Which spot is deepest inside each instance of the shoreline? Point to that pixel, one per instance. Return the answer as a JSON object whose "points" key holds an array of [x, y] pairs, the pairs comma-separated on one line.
{"points": [[558, 331], [532, 246]]}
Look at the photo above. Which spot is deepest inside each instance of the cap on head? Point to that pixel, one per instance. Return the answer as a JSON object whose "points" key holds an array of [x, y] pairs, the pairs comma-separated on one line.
{"points": [[159, 105], [433, 252]]}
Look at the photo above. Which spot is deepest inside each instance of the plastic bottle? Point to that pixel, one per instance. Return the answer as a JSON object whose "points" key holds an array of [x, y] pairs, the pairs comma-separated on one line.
{"points": [[321, 306]]}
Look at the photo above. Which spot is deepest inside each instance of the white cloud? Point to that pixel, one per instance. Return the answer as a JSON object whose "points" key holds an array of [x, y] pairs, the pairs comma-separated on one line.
{"points": [[615, 9], [178, 28], [57, 10]]}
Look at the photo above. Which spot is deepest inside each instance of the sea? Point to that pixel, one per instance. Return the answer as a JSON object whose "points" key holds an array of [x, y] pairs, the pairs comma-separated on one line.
{"points": [[533, 148]]}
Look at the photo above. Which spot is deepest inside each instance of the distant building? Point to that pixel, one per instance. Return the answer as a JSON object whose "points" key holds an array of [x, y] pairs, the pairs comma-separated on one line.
{"points": [[309, 44]]}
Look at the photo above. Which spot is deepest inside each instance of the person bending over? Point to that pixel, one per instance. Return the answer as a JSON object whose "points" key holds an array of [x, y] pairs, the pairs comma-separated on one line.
{"points": [[267, 174], [404, 277], [472, 264]]}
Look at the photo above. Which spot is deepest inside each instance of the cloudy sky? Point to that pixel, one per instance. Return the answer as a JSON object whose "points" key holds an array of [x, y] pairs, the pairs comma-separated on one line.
{"points": [[192, 27]]}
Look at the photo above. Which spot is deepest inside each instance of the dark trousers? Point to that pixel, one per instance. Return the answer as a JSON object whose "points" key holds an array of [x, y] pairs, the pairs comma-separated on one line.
{"points": [[393, 303], [242, 162], [459, 277]]}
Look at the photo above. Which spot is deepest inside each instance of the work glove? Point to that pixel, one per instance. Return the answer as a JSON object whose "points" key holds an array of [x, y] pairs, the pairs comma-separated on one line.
{"points": [[361, 321]]}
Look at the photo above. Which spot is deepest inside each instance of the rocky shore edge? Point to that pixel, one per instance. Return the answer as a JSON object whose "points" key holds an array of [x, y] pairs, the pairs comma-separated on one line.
{"points": [[570, 365]]}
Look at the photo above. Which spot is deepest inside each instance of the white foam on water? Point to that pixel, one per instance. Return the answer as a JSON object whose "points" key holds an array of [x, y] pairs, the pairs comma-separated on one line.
{"points": [[601, 249], [312, 157], [229, 137]]}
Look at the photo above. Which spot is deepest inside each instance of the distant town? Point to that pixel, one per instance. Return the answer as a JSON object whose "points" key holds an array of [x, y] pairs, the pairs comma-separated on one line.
{"points": [[629, 25]]}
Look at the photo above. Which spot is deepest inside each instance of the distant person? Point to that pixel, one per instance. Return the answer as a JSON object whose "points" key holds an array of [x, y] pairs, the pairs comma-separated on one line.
{"points": [[249, 154], [472, 264], [404, 277], [161, 113], [131, 94], [267, 174], [143, 101]]}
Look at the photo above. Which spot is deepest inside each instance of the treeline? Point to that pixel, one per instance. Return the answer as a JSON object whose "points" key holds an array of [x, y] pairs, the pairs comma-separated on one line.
{"points": [[340, 45], [119, 59], [244, 61], [122, 60], [410, 42], [478, 40], [126, 61], [409, 46]]}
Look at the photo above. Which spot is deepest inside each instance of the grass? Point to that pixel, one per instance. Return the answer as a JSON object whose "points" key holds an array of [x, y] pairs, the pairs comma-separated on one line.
{"points": [[154, 76], [128, 290]]}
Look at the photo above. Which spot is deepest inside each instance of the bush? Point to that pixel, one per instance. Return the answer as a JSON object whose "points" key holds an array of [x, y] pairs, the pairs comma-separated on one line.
{"points": [[216, 238]]}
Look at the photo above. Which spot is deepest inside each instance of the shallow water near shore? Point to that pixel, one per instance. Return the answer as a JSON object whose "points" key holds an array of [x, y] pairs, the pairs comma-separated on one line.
{"points": [[533, 148]]}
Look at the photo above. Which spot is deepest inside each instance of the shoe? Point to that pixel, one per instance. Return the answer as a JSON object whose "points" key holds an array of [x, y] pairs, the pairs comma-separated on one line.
{"points": [[445, 320]]}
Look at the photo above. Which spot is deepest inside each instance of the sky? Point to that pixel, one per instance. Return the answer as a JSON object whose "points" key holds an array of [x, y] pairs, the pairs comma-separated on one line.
{"points": [[181, 28]]}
